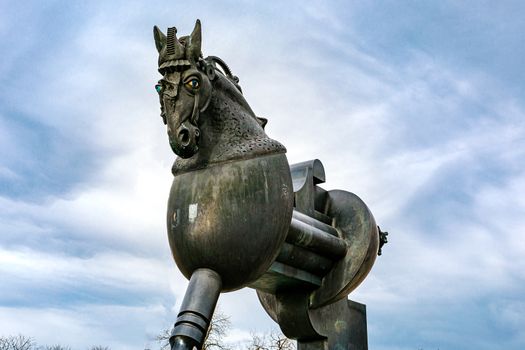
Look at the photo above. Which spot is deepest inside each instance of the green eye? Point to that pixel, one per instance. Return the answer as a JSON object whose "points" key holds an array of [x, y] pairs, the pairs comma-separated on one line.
{"points": [[158, 87], [193, 84]]}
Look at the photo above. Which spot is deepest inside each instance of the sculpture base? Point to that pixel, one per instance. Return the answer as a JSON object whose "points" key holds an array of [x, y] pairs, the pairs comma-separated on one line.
{"points": [[344, 325]]}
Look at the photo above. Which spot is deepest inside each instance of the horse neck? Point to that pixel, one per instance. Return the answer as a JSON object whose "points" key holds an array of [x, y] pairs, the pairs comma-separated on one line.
{"points": [[229, 117], [227, 124]]}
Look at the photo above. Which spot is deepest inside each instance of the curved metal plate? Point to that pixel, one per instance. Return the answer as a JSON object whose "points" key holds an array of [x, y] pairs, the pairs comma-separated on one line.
{"points": [[356, 225]]}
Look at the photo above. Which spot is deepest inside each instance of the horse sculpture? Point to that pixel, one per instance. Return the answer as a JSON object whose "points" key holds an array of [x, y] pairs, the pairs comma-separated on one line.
{"points": [[238, 215]]}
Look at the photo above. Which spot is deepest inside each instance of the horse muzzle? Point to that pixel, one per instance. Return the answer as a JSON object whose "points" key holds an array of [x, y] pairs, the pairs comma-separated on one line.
{"points": [[185, 142]]}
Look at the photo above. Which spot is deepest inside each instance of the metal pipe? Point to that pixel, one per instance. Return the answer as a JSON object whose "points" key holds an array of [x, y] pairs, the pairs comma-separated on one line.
{"points": [[304, 259], [315, 223], [196, 310], [316, 240], [181, 342]]}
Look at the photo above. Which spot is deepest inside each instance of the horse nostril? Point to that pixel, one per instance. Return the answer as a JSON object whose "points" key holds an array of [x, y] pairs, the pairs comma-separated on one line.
{"points": [[184, 137]]}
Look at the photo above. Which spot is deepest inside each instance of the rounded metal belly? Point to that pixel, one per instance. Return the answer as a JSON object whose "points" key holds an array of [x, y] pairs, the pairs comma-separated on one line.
{"points": [[231, 217]]}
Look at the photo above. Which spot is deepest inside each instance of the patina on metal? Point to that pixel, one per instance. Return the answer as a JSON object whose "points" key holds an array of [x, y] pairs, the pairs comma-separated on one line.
{"points": [[239, 215]]}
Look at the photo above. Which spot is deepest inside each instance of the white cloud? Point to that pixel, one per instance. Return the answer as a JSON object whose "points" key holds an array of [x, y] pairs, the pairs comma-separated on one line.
{"points": [[104, 270], [119, 327]]}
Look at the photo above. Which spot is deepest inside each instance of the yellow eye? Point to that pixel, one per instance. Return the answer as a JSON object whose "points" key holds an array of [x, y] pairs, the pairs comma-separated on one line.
{"points": [[193, 84]]}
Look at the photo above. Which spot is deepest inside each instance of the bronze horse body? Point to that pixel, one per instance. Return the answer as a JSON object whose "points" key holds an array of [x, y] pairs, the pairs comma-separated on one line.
{"points": [[229, 218]]}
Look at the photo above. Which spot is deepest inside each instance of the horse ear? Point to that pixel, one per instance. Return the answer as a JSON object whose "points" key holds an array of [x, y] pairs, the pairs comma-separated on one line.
{"points": [[194, 48], [262, 121], [160, 38]]}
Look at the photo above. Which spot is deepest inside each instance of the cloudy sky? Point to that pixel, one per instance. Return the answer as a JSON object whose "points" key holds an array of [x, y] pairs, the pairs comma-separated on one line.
{"points": [[417, 107]]}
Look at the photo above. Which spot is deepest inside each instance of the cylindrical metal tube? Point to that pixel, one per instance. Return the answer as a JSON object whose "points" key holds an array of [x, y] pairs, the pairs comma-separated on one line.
{"points": [[196, 310], [316, 240], [181, 342], [315, 223], [304, 259]]}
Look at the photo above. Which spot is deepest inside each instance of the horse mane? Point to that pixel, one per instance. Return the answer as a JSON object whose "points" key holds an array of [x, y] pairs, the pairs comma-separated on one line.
{"points": [[232, 91], [230, 84]]}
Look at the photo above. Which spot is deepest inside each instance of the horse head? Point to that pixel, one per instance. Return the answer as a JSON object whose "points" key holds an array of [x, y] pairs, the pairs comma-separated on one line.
{"points": [[197, 97], [184, 90]]}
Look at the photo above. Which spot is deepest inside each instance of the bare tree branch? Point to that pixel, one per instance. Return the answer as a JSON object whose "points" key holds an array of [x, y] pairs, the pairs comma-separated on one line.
{"points": [[258, 342], [16, 342], [271, 341], [164, 339], [219, 326], [54, 347], [280, 342]]}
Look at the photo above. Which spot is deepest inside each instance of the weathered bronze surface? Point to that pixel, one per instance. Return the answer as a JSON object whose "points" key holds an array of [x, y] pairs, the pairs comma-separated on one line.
{"points": [[239, 215], [231, 217]]}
